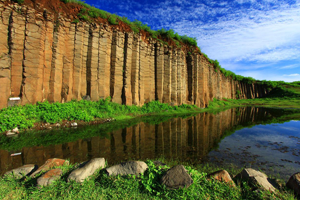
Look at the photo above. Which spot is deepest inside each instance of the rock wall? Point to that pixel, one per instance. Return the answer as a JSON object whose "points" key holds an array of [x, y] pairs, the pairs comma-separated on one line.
{"points": [[48, 57]]}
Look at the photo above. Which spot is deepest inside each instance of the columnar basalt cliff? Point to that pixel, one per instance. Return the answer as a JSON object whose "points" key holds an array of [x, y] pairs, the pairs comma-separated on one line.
{"points": [[49, 57]]}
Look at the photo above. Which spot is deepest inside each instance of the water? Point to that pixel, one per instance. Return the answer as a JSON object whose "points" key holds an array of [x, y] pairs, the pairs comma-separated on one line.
{"points": [[221, 139]]}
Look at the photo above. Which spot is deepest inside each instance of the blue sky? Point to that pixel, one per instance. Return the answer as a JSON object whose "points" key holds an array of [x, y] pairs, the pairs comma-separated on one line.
{"points": [[256, 38]]}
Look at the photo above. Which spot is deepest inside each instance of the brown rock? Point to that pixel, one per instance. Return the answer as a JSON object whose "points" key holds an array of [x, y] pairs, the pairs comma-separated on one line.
{"points": [[294, 183], [50, 176], [50, 163], [223, 176]]}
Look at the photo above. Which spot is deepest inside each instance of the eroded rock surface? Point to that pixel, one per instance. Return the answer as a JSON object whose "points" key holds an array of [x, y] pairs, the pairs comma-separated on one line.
{"points": [[223, 176], [255, 177], [129, 167], [176, 177], [49, 177], [20, 172], [50, 163], [87, 169]]}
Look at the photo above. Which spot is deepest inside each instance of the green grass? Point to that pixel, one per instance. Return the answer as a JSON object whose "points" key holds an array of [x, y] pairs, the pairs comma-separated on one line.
{"points": [[145, 186], [24, 117]]}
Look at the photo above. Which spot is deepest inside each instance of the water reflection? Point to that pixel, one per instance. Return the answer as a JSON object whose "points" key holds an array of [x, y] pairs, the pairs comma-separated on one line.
{"points": [[186, 139]]}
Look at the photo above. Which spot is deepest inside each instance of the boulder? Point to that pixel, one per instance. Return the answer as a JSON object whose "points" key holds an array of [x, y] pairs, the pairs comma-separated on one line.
{"points": [[87, 169], [129, 167], [176, 177], [257, 178], [294, 183], [50, 163], [49, 177], [73, 124], [20, 172], [221, 175]]}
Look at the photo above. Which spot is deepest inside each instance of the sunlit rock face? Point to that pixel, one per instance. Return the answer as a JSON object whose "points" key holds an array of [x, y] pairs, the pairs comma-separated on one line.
{"points": [[45, 56]]}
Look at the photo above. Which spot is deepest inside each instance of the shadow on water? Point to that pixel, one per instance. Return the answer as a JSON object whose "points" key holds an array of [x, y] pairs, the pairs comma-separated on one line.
{"points": [[188, 138]]}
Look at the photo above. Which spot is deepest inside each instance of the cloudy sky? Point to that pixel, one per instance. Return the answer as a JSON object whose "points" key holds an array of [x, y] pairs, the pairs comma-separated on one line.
{"points": [[256, 38]]}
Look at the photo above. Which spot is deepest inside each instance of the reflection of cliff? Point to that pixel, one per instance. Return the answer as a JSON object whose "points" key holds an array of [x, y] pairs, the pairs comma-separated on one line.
{"points": [[43, 57], [186, 139]]}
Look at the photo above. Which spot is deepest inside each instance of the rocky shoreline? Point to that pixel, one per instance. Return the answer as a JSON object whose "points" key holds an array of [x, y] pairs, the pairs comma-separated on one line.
{"points": [[174, 178]]}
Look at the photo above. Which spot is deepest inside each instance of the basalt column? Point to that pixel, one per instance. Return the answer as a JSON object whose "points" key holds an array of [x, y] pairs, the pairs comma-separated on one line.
{"points": [[85, 60], [135, 70], [159, 70], [211, 87], [174, 77], [151, 64], [67, 74], [200, 83], [180, 78], [48, 54], [16, 42], [196, 74], [167, 75], [117, 57], [55, 81], [127, 69], [190, 78], [104, 53], [92, 65], [5, 60], [33, 63], [78, 54]]}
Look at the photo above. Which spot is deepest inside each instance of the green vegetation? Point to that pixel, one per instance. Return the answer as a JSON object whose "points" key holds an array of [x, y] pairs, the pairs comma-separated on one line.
{"points": [[24, 117], [20, 2], [145, 186]]}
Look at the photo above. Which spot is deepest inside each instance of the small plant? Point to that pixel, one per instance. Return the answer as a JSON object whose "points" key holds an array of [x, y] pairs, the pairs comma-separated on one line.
{"points": [[20, 2], [113, 20]]}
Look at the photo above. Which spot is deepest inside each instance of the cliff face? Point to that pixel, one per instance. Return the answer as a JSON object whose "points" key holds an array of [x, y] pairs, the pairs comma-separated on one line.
{"points": [[44, 57]]}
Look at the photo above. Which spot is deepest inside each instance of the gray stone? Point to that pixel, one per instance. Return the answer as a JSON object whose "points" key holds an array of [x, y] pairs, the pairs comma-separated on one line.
{"points": [[129, 167], [20, 172], [73, 124], [176, 177], [294, 183], [49, 177], [87, 169], [257, 178]]}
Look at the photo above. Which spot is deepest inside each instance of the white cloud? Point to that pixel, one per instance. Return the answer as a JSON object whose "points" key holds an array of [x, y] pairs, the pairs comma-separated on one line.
{"points": [[290, 66], [291, 75]]}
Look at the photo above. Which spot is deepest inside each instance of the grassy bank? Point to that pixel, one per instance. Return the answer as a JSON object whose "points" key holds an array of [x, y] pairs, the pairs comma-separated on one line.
{"points": [[146, 186], [25, 117]]}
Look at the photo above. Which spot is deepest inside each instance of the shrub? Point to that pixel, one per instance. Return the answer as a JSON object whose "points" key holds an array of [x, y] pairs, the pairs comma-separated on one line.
{"points": [[113, 19], [19, 1]]}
